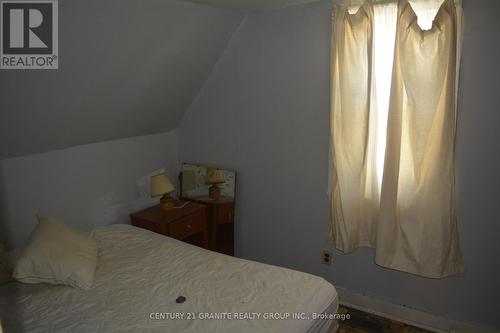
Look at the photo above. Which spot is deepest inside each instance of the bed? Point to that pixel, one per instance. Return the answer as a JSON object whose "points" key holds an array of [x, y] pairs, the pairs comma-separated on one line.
{"points": [[139, 277]]}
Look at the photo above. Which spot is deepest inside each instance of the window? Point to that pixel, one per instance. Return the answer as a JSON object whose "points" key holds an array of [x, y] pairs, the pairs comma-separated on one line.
{"points": [[384, 34], [394, 82]]}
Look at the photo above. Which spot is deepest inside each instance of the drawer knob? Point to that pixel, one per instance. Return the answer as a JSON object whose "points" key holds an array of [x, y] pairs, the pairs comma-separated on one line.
{"points": [[188, 226]]}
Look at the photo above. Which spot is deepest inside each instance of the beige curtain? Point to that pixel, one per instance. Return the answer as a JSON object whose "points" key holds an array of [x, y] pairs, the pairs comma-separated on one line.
{"points": [[353, 210], [417, 229], [412, 223]]}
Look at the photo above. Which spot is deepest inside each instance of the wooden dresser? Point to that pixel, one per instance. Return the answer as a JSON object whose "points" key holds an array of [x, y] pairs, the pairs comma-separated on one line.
{"points": [[188, 223], [220, 218]]}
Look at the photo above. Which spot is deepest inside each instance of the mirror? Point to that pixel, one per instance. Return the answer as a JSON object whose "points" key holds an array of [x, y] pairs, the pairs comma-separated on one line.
{"points": [[204, 182]]}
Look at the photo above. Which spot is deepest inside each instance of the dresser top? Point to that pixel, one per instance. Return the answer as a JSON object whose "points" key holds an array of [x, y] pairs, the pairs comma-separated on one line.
{"points": [[206, 200], [156, 214]]}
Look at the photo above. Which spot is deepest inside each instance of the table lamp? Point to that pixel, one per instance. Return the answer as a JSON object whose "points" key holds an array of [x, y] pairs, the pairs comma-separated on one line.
{"points": [[161, 185], [214, 177]]}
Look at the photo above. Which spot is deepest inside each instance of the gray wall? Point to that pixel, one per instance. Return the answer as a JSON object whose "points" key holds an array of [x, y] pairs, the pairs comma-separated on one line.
{"points": [[84, 186], [127, 68], [265, 113]]}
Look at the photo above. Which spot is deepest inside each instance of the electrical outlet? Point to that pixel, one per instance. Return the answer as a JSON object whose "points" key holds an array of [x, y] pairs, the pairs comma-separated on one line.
{"points": [[326, 257]]}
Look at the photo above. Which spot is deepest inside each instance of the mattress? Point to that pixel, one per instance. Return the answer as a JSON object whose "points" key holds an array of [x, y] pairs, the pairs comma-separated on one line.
{"points": [[140, 275]]}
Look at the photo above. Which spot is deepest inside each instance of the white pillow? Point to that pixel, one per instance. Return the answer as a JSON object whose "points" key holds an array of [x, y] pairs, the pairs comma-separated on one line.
{"points": [[58, 254]]}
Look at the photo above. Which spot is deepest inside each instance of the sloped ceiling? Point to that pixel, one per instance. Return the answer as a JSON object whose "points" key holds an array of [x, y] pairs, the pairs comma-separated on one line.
{"points": [[127, 68], [253, 4]]}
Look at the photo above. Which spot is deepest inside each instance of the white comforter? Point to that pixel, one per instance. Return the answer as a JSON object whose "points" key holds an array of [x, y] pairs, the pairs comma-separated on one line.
{"points": [[139, 276]]}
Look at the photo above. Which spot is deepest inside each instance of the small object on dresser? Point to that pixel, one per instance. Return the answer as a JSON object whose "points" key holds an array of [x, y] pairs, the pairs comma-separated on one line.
{"points": [[214, 177], [178, 204], [180, 299], [161, 185]]}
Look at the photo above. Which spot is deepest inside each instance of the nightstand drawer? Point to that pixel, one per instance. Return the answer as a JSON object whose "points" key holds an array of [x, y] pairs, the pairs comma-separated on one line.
{"points": [[187, 226]]}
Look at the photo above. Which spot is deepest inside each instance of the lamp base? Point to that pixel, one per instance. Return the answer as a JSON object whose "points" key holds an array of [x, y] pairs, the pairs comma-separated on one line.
{"points": [[167, 202], [214, 192]]}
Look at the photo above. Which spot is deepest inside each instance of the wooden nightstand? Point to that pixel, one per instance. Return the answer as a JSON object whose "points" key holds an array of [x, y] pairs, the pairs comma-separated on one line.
{"points": [[220, 217], [188, 223]]}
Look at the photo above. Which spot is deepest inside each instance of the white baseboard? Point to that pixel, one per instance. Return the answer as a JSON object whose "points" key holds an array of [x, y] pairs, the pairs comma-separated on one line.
{"points": [[407, 315]]}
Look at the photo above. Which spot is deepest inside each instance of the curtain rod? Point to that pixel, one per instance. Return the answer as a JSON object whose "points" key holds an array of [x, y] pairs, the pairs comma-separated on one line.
{"points": [[360, 2]]}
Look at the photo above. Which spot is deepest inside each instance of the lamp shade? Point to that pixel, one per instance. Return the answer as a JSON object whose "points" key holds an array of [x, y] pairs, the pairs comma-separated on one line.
{"points": [[215, 176], [160, 185]]}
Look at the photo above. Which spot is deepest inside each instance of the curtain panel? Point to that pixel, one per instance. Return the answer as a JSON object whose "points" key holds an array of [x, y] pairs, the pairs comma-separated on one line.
{"points": [[392, 157], [353, 214]]}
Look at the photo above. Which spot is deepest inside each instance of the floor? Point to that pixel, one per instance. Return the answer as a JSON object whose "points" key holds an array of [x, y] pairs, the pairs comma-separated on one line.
{"points": [[363, 322]]}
